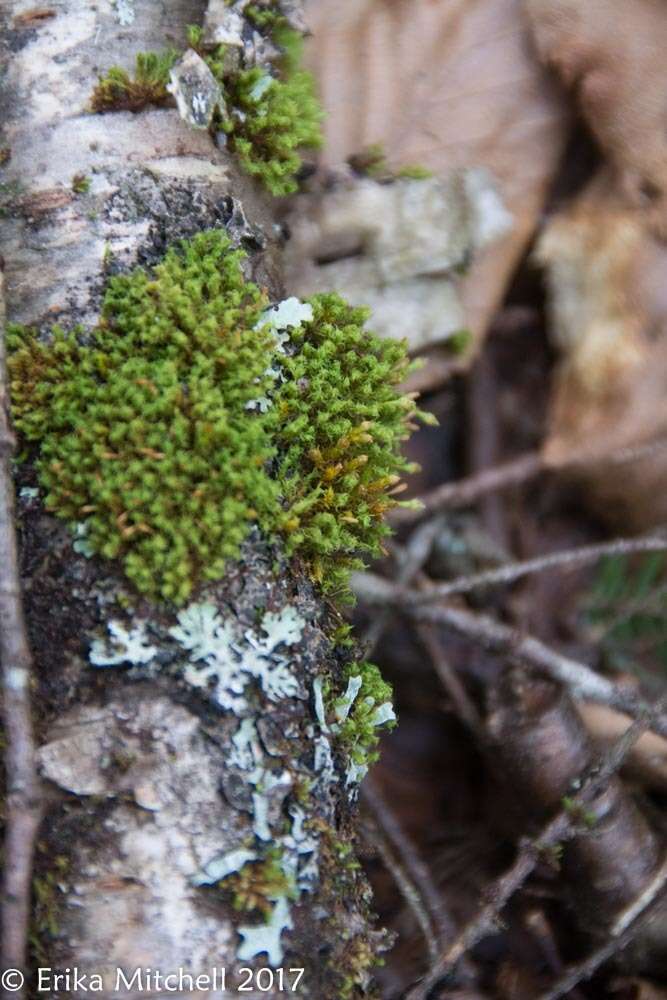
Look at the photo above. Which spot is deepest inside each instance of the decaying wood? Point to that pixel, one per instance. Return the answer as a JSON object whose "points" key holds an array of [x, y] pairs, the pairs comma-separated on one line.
{"points": [[560, 829]]}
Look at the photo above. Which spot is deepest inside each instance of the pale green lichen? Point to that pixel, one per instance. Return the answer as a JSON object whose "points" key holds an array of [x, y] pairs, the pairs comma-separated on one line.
{"points": [[223, 663], [124, 646], [352, 720], [226, 864], [146, 431], [259, 938]]}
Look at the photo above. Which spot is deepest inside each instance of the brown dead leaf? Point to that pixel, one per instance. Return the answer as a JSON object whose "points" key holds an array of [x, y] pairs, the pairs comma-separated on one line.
{"points": [[605, 257], [449, 86], [612, 57]]}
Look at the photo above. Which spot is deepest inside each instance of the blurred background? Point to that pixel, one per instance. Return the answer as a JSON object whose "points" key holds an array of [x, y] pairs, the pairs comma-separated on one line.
{"points": [[492, 185]]}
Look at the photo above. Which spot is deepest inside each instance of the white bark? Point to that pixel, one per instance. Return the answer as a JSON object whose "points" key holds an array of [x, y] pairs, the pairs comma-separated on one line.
{"points": [[143, 794]]}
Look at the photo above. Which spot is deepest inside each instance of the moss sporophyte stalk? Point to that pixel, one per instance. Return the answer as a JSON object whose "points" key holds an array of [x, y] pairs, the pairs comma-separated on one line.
{"points": [[194, 411]]}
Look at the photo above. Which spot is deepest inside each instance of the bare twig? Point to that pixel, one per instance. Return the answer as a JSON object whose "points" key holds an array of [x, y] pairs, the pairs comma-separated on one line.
{"points": [[409, 871], [465, 492], [562, 827], [23, 809], [397, 594], [582, 682], [642, 911], [410, 561], [460, 699]]}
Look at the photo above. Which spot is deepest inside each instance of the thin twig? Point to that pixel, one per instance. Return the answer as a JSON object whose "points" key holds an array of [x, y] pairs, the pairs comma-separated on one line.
{"points": [[22, 802], [397, 594], [408, 870], [561, 828], [410, 561], [466, 491], [463, 704], [582, 681]]}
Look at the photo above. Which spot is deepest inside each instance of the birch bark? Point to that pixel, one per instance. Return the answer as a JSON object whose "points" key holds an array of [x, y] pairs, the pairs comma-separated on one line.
{"points": [[149, 785]]}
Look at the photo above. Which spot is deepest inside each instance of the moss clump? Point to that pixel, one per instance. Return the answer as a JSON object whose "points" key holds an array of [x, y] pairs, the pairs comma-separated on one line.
{"points": [[358, 734], [360, 961], [270, 119], [273, 118], [258, 884], [80, 184], [414, 172], [144, 433], [372, 162], [460, 341], [118, 91], [265, 15], [341, 424], [179, 423]]}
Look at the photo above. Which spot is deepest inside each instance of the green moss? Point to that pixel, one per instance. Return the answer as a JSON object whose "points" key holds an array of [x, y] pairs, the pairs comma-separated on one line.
{"points": [[460, 341], [10, 194], [341, 427], [360, 959], [358, 734], [258, 884], [579, 813], [371, 162], [273, 118], [117, 91], [47, 906], [80, 184], [414, 172], [265, 15], [149, 433]]}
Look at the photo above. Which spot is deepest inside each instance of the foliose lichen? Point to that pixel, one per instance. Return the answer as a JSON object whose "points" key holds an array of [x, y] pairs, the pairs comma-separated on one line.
{"points": [[290, 781], [223, 663], [148, 432]]}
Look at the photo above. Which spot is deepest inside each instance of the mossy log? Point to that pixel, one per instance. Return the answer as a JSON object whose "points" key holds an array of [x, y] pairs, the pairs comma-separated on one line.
{"points": [[200, 761]]}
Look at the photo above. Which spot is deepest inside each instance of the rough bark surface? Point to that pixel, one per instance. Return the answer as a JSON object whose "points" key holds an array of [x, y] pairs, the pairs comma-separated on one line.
{"points": [[144, 790]]}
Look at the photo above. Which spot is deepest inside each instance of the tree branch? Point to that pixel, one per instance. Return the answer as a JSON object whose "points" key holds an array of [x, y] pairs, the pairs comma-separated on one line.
{"points": [[23, 799], [514, 571], [583, 682], [465, 492]]}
